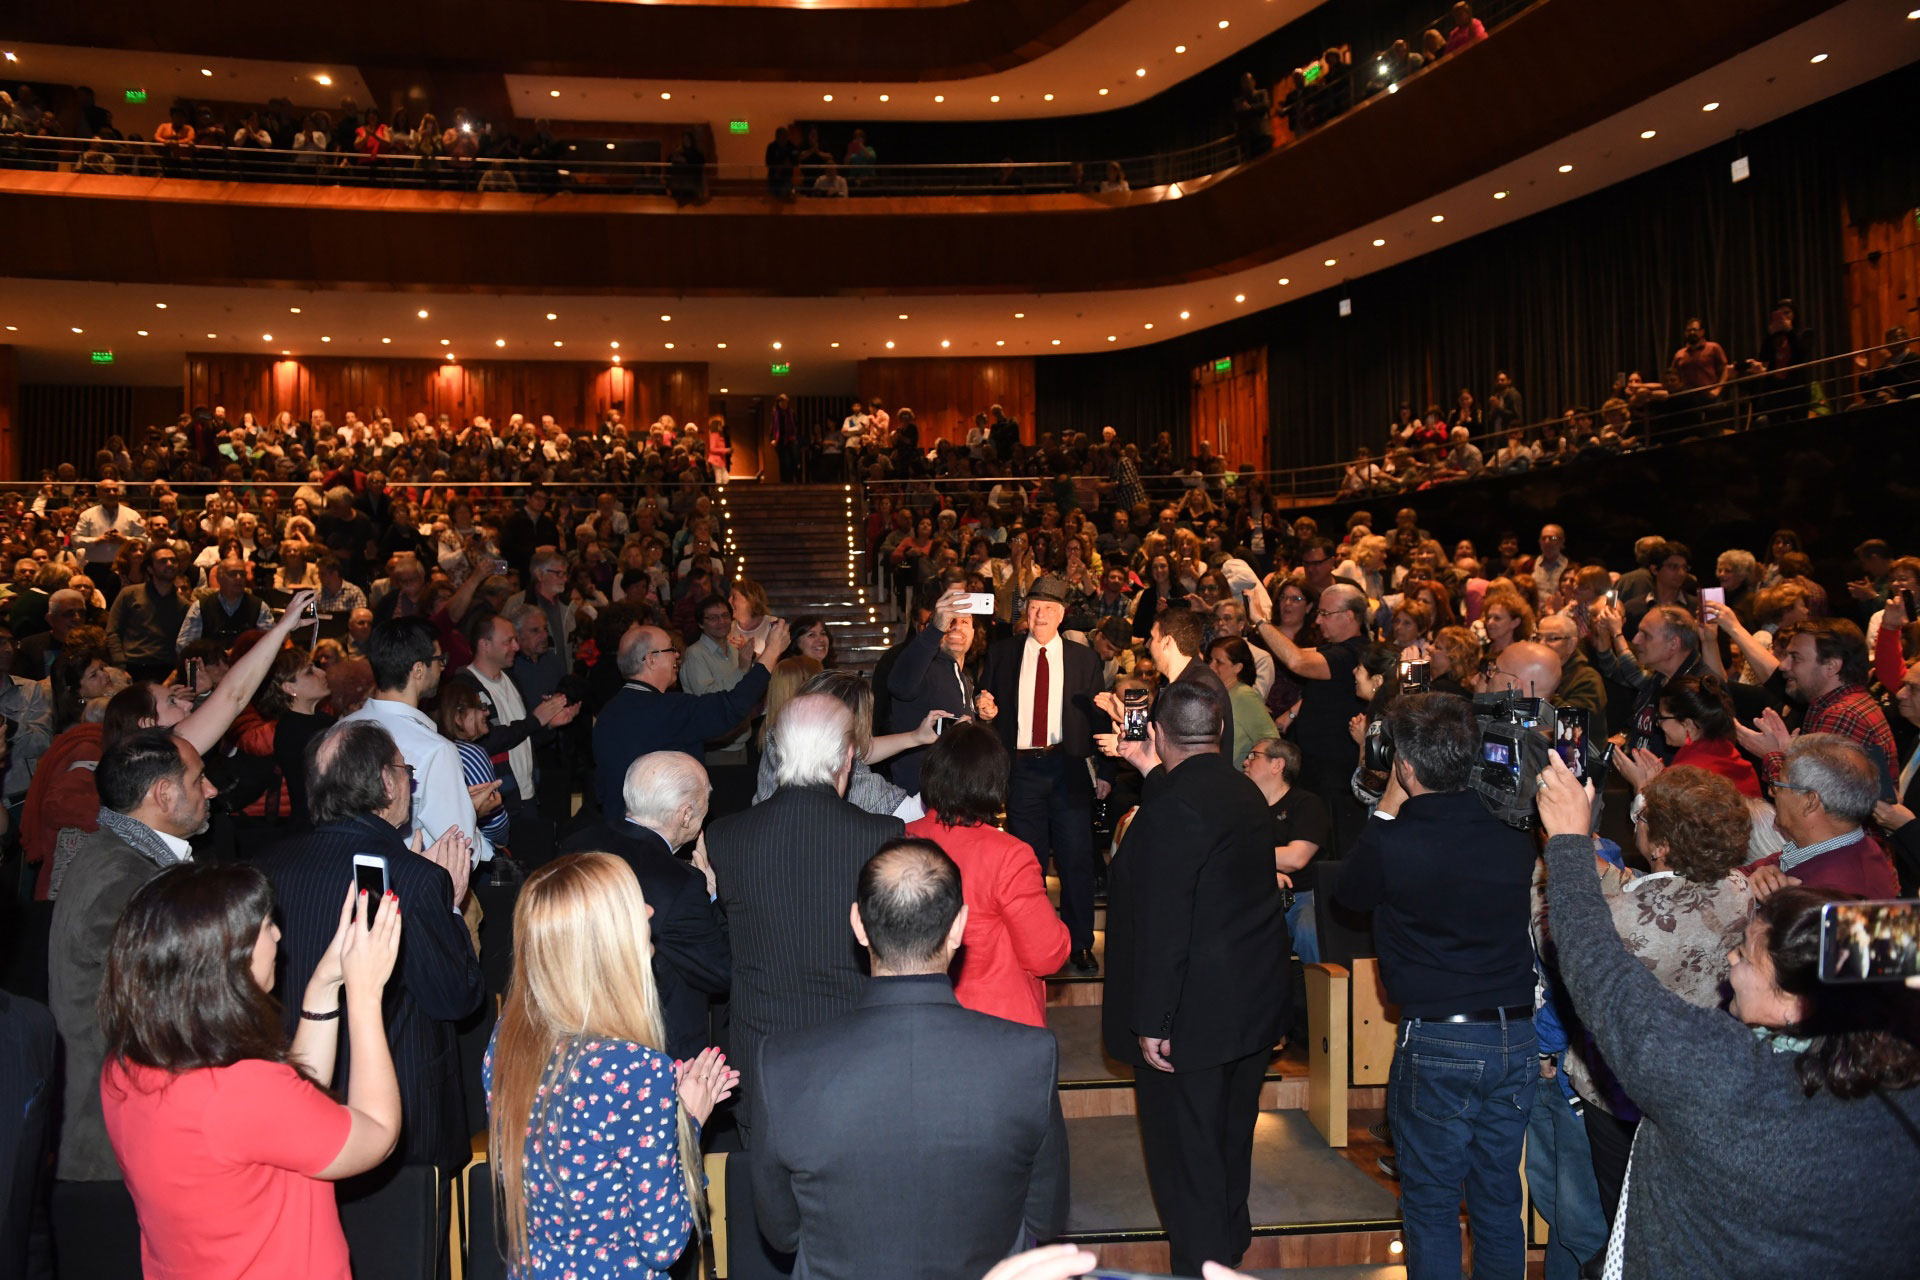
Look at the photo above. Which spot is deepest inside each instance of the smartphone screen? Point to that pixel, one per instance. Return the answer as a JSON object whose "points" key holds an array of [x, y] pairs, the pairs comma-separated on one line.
{"points": [[1870, 941], [1134, 710], [370, 878], [1570, 739]]}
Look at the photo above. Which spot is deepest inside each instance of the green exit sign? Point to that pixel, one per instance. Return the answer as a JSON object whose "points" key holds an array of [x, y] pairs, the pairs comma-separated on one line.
{"points": [[736, 126], [103, 357], [782, 369], [1223, 365], [136, 95]]}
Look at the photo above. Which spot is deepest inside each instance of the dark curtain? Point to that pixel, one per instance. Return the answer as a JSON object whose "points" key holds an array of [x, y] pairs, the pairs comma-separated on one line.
{"points": [[1562, 300]]}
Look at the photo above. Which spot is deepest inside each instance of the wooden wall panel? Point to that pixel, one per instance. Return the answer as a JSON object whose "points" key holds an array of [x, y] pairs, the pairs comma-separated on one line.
{"points": [[1229, 410], [10, 433], [71, 423], [1883, 278], [944, 394], [574, 392]]}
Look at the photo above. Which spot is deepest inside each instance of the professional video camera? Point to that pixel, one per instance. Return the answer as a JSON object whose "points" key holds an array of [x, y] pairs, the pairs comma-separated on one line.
{"points": [[1517, 736]]}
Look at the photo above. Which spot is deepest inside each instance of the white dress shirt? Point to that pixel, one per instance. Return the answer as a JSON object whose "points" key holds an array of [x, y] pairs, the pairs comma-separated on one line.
{"points": [[90, 530], [1056, 681], [509, 708], [440, 798]]}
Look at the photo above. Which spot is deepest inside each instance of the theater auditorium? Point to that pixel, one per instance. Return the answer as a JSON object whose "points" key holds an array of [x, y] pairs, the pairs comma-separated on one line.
{"points": [[960, 640]]}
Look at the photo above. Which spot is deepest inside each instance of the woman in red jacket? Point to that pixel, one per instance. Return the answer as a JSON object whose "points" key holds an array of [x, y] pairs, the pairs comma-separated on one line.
{"points": [[1014, 938]]}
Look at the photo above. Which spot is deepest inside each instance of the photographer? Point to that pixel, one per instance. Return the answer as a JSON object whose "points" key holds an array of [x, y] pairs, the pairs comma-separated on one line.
{"points": [[1447, 882], [1811, 1083]]}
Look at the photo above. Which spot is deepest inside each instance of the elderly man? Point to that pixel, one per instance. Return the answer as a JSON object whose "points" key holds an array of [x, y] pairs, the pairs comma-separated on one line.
{"points": [[66, 609], [359, 791], [1525, 667], [1580, 683], [1230, 619], [1666, 644], [666, 797], [1038, 692], [928, 676], [648, 714], [1328, 701], [153, 797], [227, 612], [547, 585], [1826, 792], [102, 530], [407, 661]]}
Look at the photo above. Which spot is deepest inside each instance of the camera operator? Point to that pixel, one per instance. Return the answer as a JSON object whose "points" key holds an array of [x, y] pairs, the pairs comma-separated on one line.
{"points": [[1448, 882]]}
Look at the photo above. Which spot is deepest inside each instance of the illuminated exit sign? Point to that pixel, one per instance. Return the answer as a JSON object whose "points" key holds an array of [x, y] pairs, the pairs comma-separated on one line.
{"points": [[736, 126], [782, 369], [1223, 365], [103, 357], [136, 95]]}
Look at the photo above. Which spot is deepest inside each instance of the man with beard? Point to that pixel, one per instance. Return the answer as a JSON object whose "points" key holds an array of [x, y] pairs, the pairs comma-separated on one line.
{"points": [[144, 623]]}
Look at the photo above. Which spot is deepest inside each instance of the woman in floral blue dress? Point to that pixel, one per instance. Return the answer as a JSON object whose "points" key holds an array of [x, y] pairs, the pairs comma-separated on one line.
{"points": [[594, 1128]]}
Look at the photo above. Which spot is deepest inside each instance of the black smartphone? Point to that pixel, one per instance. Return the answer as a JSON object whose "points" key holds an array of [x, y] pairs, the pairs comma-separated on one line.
{"points": [[1416, 676], [1570, 738], [1906, 598], [192, 669], [1134, 712], [1870, 941]]}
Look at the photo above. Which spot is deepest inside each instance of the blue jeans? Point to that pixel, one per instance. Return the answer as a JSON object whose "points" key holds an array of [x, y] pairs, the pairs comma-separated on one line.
{"points": [[1303, 929], [1560, 1178], [1458, 1098]]}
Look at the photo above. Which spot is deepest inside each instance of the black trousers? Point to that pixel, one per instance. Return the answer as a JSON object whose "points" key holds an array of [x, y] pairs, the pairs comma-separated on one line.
{"points": [[1050, 806], [1197, 1128], [96, 1232], [1611, 1140]]}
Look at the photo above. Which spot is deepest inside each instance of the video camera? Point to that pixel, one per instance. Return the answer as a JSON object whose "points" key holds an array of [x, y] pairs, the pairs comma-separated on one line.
{"points": [[1517, 737]]}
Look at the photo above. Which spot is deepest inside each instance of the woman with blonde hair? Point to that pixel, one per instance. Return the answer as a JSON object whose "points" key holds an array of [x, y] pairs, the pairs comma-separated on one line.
{"points": [[578, 1062], [788, 679]]}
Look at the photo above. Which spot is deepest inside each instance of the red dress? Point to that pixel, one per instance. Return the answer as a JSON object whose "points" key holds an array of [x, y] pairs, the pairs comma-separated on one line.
{"points": [[1716, 755], [1014, 938], [221, 1162]]}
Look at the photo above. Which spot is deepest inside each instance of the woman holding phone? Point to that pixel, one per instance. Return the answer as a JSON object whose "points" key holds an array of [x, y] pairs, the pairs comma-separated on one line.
{"points": [[226, 1134]]}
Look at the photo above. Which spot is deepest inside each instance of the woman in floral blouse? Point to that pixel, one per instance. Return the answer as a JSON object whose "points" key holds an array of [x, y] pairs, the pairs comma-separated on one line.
{"points": [[594, 1128]]}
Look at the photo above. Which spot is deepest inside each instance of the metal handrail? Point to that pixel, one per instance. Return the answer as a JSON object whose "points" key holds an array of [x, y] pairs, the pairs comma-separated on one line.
{"points": [[582, 172], [1742, 401]]}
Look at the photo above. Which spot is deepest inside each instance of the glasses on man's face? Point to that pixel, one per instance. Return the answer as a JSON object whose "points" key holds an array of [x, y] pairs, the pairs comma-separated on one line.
{"points": [[1327, 613], [438, 659]]}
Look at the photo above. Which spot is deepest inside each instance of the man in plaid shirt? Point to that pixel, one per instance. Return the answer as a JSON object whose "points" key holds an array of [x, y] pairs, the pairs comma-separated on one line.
{"points": [[1825, 666]]}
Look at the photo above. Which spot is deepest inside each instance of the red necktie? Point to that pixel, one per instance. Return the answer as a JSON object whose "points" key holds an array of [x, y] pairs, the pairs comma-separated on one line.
{"points": [[1041, 702]]}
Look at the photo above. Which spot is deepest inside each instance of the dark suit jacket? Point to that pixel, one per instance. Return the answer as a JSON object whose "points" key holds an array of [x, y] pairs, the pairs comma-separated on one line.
{"points": [[909, 1138], [436, 983], [1196, 939], [640, 719], [691, 962], [788, 870], [923, 679], [520, 533], [1079, 718], [29, 1094]]}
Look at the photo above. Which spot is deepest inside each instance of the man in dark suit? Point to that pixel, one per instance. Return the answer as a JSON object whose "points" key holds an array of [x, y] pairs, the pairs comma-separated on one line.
{"points": [[526, 531], [785, 871], [851, 1108], [359, 791], [1196, 974], [666, 804], [927, 677], [649, 714], [1038, 691]]}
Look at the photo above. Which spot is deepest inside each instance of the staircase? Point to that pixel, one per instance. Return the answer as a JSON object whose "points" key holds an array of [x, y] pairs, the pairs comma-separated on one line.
{"points": [[806, 544]]}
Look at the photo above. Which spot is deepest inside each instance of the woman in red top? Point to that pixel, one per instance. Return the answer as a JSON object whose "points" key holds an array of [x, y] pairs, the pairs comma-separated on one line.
{"points": [[226, 1135], [1013, 938], [1697, 718]]}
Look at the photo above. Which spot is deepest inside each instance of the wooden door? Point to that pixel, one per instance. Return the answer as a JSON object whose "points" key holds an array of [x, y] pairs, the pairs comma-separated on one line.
{"points": [[1229, 409]]}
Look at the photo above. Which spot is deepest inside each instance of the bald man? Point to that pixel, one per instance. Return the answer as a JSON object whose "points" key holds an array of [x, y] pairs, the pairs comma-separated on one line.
{"points": [[1526, 667], [1580, 683], [650, 714]]}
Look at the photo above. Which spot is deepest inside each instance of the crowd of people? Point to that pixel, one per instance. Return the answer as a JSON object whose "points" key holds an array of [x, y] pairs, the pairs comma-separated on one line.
{"points": [[304, 790]]}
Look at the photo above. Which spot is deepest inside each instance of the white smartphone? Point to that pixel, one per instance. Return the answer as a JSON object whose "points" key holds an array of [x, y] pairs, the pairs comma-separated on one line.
{"points": [[370, 878], [1718, 595], [979, 602]]}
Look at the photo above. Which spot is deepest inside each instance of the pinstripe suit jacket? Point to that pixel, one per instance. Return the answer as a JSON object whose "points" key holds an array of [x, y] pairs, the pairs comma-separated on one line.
{"points": [[436, 983], [787, 871]]}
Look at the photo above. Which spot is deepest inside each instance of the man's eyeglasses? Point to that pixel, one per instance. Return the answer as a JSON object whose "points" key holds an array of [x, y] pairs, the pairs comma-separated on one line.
{"points": [[1327, 613], [438, 659]]}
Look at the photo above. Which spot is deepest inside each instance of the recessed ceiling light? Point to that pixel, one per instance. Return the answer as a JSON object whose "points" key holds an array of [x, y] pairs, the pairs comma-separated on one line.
{"points": [[14, 328], [387, 342], [1711, 106], [323, 78], [1019, 315], [833, 344], [1566, 168], [207, 71], [78, 329], [609, 146], [294, 310], [552, 316], [903, 315], [889, 344], [885, 97], [999, 342], [723, 391], [1500, 195], [1056, 342], [776, 346], [616, 359], [666, 97], [558, 343], [1239, 297], [1113, 337], [1139, 71], [1047, 97], [265, 337], [285, 352], [669, 347], [141, 332], [213, 335], [939, 97], [1179, 48], [1285, 281], [1648, 133], [1379, 243], [1103, 93], [553, 93], [614, 345], [1148, 325], [945, 343], [826, 97], [994, 98], [421, 313], [1223, 24], [160, 306], [325, 338], [1332, 261], [721, 345], [1913, 15], [1183, 315], [1438, 217], [1817, 58], [14, 57], [446, 342]]}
